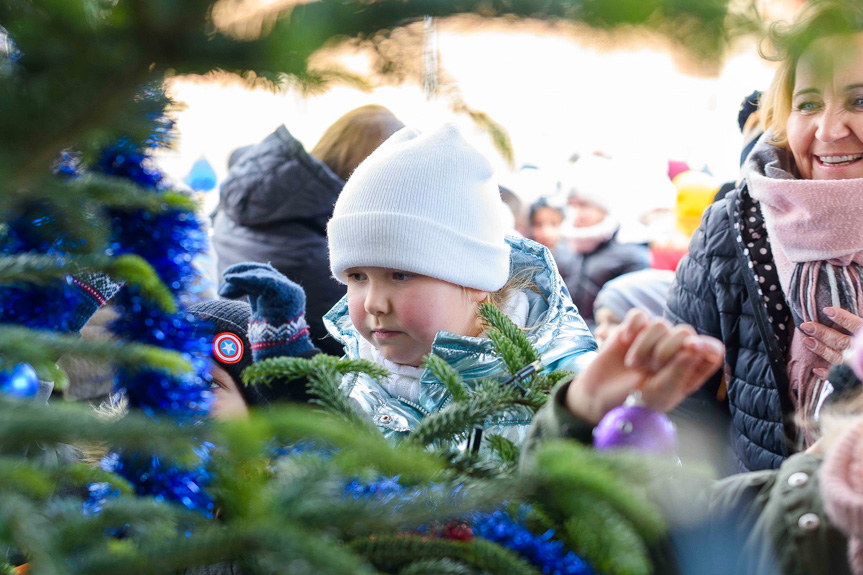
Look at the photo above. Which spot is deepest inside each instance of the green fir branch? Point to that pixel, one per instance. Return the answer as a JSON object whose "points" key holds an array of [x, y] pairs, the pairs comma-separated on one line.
{"points": [[507, 350], [505, 450], [25, 528], [324, 385], [393, 553], [358, 447], [456, 420], [608, 541], [436, 567], [555, 377], [131, 269], [22, 424], [25, 477], [498, 321], [289, 368], [449, 377], [566, 471], [40, 347]]}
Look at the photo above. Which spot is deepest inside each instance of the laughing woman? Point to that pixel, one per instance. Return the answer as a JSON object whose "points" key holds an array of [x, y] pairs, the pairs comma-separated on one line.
{"points": [[774, 271]]}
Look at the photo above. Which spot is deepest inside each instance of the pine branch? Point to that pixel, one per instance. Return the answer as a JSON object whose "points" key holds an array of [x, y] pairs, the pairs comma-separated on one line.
{"points": [[566, 471], [507, 451], [30, 532], [507, 350], [469, 464], [607, 540], [393, 553], [458, 419], [325, 385], [23, 424], [358, 447], [555, 377], [24, 477], [436, 567], [289, 368], [40, 347], [81, 202], [131, 269], [449, 377], [496, 320]]}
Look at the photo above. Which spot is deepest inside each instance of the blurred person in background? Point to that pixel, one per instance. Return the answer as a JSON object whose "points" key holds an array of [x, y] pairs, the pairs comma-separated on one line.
{"points": [[749, 122], [546, 227], [519, 225], [595, 189], [277, 198], [804, 517], [694, 191], [644, 289], [774, 269]]}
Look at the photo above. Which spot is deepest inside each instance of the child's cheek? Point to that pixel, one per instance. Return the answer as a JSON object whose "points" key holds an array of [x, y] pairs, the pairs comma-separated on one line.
{"points": [[422, 324]]}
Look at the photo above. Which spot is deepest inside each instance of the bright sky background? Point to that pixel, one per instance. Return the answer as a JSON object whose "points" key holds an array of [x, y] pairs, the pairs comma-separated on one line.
{"points": [[555, 95]]}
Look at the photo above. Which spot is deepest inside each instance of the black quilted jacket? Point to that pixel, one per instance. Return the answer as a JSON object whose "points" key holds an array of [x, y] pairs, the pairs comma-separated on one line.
{"points": [[716, 292], [274, 207]]}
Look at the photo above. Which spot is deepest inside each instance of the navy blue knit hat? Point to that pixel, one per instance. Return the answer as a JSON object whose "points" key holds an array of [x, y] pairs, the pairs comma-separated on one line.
{"points": [[225, 322], [747, 107]]}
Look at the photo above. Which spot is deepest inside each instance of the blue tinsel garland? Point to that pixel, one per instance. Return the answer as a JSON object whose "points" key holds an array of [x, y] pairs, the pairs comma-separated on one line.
{"points": [[44, 306], [169, 241], [548, 554], [544, 551]]}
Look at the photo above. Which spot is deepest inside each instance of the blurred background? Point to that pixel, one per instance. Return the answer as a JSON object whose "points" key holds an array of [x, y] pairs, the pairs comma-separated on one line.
{"points": [[555, 89]]}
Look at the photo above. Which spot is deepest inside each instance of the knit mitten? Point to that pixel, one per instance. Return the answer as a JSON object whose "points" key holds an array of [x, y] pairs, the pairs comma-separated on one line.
{"points": [[277, 326], [95, 291]]}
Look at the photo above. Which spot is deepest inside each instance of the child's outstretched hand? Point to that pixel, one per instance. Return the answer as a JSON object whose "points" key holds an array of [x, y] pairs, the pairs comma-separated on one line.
{"points": [[277, 326], [665, 362]]}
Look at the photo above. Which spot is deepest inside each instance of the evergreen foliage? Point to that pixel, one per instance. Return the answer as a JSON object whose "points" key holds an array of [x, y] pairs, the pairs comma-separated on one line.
{"points": [[293, 489]]}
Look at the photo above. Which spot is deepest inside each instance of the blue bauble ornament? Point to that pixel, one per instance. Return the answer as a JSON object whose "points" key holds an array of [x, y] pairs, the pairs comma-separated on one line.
{"points": [[19, 381], [635, 426]]}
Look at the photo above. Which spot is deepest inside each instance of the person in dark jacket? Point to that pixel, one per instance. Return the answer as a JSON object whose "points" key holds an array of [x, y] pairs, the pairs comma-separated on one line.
{"points": [[802, 518], [774, 270], [277, 198], [593, 184]]}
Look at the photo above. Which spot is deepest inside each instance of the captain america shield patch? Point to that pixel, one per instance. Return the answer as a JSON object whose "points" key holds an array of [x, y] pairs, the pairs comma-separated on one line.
{"points": [[228, 347]]}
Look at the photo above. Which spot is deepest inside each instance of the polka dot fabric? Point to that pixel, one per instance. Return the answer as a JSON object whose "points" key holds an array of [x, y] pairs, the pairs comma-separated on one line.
{"points": [[752, 235]]}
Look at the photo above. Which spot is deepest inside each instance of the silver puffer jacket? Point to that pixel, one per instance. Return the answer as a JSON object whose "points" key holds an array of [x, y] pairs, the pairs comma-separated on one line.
{"points": [[561, 337]]}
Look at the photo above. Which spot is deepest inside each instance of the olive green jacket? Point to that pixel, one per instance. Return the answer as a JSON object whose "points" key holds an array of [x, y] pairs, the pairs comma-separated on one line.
{"points": [[763, 522]]}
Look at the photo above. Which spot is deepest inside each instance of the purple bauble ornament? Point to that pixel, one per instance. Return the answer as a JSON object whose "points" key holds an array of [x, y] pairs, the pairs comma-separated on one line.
{"points": [[635, 426], [19, 381]]}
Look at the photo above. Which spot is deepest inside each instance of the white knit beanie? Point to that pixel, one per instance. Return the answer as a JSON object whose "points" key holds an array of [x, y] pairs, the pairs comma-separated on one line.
{"points": [[423, 203]]}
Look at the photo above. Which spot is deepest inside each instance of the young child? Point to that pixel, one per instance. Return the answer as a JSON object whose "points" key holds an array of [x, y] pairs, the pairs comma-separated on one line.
{"points": [[418, 238], [241, 335], [644, 289]]}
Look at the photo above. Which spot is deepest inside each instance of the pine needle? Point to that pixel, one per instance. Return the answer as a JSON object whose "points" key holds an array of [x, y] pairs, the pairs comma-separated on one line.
{"points": [[507, 451], [449, 377]]}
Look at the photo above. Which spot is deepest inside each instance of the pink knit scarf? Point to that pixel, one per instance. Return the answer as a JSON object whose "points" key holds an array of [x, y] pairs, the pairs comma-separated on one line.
{"points": [[816, 233], [841, 482]]}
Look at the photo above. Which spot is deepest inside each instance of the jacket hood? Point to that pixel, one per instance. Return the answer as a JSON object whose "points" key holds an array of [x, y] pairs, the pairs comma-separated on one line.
{"points": [[277, 181]]}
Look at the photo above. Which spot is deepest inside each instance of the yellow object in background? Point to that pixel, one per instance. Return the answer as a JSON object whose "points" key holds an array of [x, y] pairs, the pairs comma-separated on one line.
{"points": [[695, 191]]}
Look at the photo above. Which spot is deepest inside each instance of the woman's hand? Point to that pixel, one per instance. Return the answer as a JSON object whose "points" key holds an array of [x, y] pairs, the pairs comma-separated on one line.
{"points": [[827, 342], [667, 363]]}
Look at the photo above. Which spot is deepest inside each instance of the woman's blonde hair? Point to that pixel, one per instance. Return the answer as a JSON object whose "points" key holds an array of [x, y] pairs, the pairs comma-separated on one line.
{"points": [[354, 136], [788, 42]]}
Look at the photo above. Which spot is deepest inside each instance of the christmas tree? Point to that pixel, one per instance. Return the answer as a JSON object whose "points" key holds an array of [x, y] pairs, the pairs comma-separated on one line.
{"points": [[87, 216]]}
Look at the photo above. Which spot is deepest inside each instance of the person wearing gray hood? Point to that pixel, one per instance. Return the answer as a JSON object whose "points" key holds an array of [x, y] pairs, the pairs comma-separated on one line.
{"points": [[276, 201]]}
